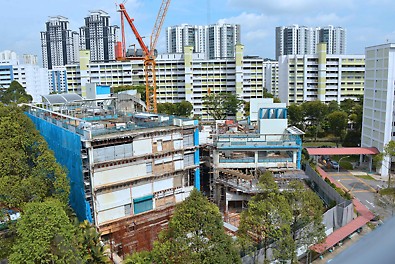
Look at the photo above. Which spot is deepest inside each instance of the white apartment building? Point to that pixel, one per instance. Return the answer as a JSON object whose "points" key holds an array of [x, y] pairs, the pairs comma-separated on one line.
{"points": [[58, 43], [378, 108], [271, 77], [98, 36], [292, 40], [180, 76], [215, 41], [320, 76], [32, 77]]}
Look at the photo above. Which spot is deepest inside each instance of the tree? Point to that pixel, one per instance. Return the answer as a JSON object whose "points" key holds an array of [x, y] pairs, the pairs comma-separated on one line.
{"points": [[315, 113], [333, 106], [266, 221], [338, 122], [45, 235], [389, 151], [220, 105], [15, 93], [296, 116], [142, 257], [28, 169], [195, 235], [183, 108], [90, 247], [306, 209], [347, 106]]}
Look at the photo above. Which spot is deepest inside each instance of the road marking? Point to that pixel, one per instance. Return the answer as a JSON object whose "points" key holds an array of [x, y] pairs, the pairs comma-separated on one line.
{"points": [[370, 203], [360, 191], [371, 188]]}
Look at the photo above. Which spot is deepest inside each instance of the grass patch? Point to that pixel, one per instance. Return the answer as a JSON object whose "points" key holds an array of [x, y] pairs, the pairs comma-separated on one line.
{"points": [[346, 165], [365, 177], [351, 158]]}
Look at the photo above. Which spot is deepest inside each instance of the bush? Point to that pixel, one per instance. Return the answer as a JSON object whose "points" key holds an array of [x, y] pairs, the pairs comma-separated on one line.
{"points": [[346, 165]]}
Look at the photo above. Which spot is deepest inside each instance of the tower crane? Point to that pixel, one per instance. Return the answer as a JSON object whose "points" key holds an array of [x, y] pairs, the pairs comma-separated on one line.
{"points": [[148, 53]]}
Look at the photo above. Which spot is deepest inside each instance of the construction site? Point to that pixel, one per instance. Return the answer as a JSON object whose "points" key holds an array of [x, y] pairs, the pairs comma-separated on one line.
{"points": [[239, 152], [127, 170]]}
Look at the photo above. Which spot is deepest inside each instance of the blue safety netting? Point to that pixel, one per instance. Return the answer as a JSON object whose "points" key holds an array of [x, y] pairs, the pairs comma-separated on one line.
{"points": [[66, 146]]}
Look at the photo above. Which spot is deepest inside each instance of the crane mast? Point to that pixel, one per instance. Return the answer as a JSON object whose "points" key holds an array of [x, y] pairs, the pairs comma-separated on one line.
{"points": [[149, 55]]}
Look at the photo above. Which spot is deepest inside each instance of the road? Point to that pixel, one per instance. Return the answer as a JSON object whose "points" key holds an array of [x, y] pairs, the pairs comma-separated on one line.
{"points": [[363, 189]]}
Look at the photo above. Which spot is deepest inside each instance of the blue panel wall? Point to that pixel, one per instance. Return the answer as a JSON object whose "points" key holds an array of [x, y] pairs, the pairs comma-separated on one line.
{"points": [[67, 149], [196, 155]]}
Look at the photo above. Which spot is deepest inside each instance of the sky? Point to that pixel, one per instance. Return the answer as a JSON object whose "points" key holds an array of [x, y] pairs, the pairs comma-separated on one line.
{"points": [[368, 22]]}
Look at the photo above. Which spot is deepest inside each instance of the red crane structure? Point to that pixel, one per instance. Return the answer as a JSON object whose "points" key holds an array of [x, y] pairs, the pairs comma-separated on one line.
{"points": [[148, 53]]}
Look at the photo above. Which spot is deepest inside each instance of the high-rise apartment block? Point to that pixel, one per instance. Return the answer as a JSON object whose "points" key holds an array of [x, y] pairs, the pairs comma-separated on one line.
{"points": [[215, 41], [31, 76], [300, 40], [378, 123], [320, 76], [59, 44], [98, 36]]}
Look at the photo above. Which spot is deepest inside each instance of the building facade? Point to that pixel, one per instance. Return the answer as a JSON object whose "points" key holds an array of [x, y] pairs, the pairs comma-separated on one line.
{"points": [[215, 41], [378, 107], [320, 76], [31, 76], [59, 45], [301, 40], [271, 77], [238, 153], [180, 76], [98, 36], [127, 170]]}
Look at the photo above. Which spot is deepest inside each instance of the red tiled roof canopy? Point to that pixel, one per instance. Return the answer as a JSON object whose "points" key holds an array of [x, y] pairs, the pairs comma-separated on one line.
{"points": [[342, 151]]}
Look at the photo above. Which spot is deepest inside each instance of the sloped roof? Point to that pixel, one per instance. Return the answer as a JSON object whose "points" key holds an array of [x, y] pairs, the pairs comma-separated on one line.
{"points": [[61, 98], [342, 151]]}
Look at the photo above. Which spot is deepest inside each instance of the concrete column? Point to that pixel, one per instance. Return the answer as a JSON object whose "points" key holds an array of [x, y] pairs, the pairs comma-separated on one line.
{"points": [[295, 157]]}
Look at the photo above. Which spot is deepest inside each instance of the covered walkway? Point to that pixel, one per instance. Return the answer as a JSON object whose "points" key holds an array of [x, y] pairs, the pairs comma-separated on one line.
{"points": [[342, 151], [364, 216]]}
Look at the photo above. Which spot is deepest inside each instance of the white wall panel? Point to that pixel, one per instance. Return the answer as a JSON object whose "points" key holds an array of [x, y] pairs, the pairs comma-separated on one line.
{"points": [[179, 197], [142, 190], [178, 144], [163, 185], [178, 164], [107, 175], [113, 199], [111, 214], [142, 146]]}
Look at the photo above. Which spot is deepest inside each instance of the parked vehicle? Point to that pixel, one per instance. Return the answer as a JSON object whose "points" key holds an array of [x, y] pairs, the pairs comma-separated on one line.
{"points": [[335, 165]]}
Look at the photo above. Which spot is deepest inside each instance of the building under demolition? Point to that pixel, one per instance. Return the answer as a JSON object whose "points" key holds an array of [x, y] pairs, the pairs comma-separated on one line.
{"points": [[127, 170], [239, 152]]}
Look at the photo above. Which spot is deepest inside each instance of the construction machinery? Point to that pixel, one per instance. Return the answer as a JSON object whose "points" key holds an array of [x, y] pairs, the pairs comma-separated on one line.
{"points": [[148, 53]]}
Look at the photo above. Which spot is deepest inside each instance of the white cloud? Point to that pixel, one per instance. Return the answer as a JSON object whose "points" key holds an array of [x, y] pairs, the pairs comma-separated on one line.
{"points": [[325, 19], [292, 6], [256, 29]]}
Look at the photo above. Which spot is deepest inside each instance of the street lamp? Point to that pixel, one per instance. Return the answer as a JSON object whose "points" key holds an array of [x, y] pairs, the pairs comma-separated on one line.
{"points": [[338, 167]]}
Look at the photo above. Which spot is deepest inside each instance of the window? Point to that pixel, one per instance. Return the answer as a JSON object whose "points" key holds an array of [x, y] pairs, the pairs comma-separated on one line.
{"points": [[143, 204]]}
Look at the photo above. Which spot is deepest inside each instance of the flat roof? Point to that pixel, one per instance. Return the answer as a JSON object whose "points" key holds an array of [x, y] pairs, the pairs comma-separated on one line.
{"points": [[342, 151]]}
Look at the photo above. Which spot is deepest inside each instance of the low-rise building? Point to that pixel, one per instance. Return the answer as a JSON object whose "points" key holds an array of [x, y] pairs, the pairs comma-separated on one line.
{"points": [[127, 170]]}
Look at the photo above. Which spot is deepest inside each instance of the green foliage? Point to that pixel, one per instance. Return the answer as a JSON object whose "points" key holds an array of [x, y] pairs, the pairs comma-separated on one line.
{"points": [[338, 123], [45, 235], [265, 220], [220, 105], [307, 209], [296, 116], [89, 244], [195, 235], [182, 108], [15, 93], [28, 169], [142, 257], [315, 113], [352, 139]]}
